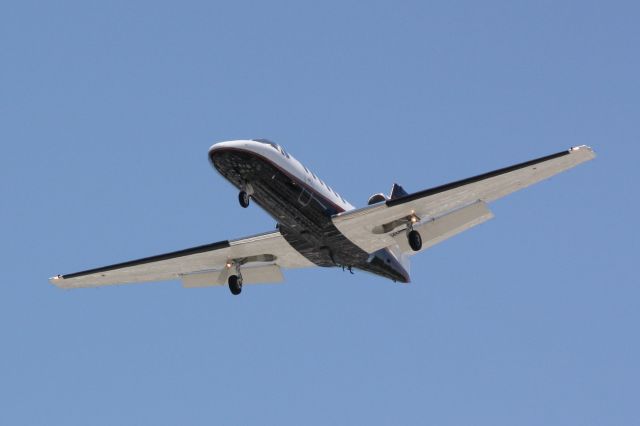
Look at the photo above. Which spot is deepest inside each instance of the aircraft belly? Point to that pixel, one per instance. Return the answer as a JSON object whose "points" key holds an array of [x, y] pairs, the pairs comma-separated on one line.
{"points": [[303, 216]]}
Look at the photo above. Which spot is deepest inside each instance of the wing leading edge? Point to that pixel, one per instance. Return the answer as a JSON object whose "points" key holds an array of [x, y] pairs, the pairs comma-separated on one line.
{"points": [[378, 226], [261, 257]]}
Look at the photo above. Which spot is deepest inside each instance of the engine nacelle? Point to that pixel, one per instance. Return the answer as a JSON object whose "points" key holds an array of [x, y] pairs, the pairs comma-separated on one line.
{"points": [[377, 198], [396, 192]]}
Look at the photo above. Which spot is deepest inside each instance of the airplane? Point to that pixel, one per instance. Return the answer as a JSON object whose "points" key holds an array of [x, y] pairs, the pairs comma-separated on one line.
{"points": [[316, 226]]}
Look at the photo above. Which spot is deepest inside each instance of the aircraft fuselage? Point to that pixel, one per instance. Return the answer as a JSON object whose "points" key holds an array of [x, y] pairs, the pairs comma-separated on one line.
{"points": [[301, 204]]}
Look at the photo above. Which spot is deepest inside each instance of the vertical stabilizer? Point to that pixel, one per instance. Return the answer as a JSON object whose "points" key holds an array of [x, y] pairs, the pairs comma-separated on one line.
{"points": [[397, 191]]}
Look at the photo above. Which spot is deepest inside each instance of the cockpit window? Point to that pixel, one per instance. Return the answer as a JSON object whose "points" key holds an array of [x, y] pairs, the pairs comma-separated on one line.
{"points": [[268, 142], [274, 146]]}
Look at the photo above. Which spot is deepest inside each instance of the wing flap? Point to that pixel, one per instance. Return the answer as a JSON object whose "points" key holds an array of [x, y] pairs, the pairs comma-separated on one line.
{"points": [[444, 227], [205, 279], [250, 275], [262, 274]]}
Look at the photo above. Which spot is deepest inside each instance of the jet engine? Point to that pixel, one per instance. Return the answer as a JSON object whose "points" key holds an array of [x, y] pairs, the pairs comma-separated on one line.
{"points": [[396, 192], [377, 198]]}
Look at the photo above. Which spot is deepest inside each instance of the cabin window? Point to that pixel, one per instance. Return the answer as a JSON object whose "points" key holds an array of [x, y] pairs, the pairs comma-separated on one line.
{"points": [[283, 152]]}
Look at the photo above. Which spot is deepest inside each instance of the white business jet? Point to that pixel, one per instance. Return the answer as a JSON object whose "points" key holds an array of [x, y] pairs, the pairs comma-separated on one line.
{"points": [[316, 226]]}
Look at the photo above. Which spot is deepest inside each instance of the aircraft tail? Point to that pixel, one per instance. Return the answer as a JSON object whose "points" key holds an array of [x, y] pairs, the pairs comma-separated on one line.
{"points": [[397, 191]]}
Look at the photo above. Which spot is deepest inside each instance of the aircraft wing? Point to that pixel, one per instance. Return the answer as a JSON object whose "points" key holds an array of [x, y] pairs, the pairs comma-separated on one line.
{"points": [[446, 210], [260, 256]]}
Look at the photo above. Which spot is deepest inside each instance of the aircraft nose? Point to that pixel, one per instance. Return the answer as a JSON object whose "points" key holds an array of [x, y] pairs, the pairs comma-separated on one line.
{"points": [[215, 150], [227, 144], [224, 148], [216, 147]]}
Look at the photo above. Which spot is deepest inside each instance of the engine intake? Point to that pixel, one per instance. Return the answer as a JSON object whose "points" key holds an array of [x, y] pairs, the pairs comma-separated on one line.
{"points": [[376, 198]]}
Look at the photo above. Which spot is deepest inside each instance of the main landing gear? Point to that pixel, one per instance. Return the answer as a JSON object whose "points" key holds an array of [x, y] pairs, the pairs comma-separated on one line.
{"points": [[415, 240], [235, 284], [235, 280]]}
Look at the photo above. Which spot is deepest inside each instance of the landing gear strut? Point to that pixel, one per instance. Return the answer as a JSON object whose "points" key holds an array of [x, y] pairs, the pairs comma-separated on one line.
{"points": [[235, 284], [414, 237], [235, 280]]}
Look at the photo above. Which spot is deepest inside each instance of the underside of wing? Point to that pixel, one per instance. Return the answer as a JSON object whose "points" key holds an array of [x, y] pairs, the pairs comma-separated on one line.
{"points": [[260, 257], [441, 212]]}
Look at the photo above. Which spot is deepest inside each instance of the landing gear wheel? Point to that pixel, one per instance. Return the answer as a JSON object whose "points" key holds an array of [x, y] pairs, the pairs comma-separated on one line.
{"points": [[244, 198], [235, 284], [415, 240]]}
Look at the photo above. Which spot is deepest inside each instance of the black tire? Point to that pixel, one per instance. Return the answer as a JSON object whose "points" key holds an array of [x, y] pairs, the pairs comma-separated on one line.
{"points": [[415, 240], [235, 285], [244, 198]]}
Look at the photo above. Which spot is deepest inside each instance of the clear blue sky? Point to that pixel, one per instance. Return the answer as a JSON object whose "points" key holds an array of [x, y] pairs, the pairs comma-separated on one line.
{"points": [[107, 110]]}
